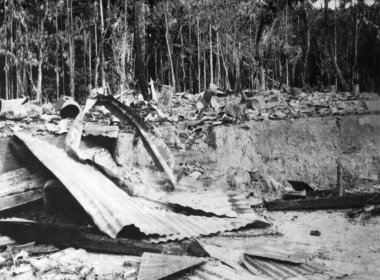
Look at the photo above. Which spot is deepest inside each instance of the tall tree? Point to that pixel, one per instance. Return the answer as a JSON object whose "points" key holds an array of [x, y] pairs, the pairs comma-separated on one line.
{"points": [[168, 44], [331, 52], [139, 63]]}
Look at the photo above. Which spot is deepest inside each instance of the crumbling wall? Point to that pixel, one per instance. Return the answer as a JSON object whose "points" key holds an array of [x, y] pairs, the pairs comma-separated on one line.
{"points": [[302, 149]]}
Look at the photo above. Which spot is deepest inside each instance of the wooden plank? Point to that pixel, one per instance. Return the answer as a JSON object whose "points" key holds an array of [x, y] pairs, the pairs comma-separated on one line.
{"points": [[19, 181], [335, 202], [16, 200], [72, 235], [19, 187]]}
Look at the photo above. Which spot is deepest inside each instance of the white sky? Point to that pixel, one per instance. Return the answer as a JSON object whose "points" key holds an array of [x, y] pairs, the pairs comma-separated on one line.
{"points": [[321, 3]]}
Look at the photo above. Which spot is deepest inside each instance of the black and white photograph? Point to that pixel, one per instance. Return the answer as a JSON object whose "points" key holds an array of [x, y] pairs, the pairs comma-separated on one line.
{"points": [[190, 139]]}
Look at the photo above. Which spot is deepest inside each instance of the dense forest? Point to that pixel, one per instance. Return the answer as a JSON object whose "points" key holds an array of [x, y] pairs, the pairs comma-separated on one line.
{"points": [[49, 48]]}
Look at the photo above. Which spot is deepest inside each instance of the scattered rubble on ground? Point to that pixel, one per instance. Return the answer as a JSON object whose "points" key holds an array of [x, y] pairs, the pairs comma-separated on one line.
{"points": [[117, 166]]}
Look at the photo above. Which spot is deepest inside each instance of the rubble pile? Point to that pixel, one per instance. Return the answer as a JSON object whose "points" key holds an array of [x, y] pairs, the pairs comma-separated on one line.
{"points": [[147, 203]]}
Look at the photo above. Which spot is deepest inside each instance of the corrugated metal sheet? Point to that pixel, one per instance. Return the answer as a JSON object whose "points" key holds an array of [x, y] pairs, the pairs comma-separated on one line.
{"points": [[226, 256], [158, 266], [284, 270], [192, 226], [292, 254], [211, 271], [112, 209], [213, 202]]}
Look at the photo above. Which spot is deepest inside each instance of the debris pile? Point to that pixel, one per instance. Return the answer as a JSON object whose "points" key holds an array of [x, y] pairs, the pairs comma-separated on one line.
{"points": [[137, 211]]}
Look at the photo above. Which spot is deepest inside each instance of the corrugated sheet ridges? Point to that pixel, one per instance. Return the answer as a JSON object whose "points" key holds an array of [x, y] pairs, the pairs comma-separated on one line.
{"points": [[213, 202], [202, 226], [210, 271], [112, 209], [283, 270]]}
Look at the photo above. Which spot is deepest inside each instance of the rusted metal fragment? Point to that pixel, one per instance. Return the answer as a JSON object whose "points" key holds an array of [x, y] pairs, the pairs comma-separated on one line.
{"points": [[158, 266], [19, 187], [67, 107], [110, 131], [72, 235], [336, 202], [112, 209], [156, 147]]}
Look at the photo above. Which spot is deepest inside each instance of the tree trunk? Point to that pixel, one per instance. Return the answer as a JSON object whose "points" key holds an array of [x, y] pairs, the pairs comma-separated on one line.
{"points": [[198, 57], [354, 67], [211, 63], [102, 46], [191, 83], [226, 80], [6, 56], [89, 59], [339, 75], [139, 63], [71, 45], [39, 77], [11, 68], [204, 70], [24, 77], [161, 67], [97, 59], [259, 55], [168, 44], [306, 47], [286, 40], [6, 78], [217, 59], [182, 61], [56, 53]]}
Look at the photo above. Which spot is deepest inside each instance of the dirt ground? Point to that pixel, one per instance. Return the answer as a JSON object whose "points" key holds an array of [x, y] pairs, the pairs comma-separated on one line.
{"points": [[349, 246]]}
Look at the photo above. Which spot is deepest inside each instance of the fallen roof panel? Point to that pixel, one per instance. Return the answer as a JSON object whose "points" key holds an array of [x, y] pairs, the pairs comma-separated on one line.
{"points": [[285, 270], [216, 202], [158, 266], [210, 271], [112, 209]]}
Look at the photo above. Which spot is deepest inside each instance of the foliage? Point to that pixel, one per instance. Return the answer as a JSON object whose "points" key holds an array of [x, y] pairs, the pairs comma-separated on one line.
{"points": [[38, 32]]}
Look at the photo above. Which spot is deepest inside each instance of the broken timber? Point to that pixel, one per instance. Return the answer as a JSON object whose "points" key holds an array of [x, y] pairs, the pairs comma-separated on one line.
{"points": [[71, 235], [19, 187], [335, 202], [156, 147]]}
